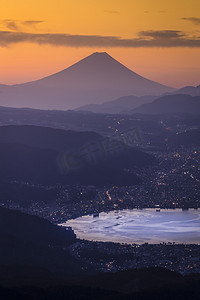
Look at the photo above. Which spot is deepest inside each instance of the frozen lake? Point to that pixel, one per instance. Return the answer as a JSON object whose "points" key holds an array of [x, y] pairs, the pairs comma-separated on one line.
{"points": [[140, 226]]}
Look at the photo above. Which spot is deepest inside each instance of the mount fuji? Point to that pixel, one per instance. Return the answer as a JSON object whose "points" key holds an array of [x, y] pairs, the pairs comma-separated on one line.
{"points": [[93, 80]]}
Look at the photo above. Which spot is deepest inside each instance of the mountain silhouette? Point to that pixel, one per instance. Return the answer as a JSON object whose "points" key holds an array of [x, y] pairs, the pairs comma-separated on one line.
{"points": [[95, 79]]}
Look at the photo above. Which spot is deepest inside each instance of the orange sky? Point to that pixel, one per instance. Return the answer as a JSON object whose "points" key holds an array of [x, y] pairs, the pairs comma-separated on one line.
{"points": [[157, 39]]}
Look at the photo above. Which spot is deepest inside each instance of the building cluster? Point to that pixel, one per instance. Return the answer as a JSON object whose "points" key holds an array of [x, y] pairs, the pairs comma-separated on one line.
{"points": [[113, 257]]}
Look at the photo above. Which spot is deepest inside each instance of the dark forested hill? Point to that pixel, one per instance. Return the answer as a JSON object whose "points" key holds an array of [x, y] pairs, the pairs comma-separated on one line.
{"points": [[31, 241], [45, 155], [32, 229], [47, 138]]}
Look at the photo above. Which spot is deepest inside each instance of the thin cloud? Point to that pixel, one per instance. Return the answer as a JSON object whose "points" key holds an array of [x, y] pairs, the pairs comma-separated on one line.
{"points": [[114, 12], [165, 38], [18, 25], [162, 34], [11, 24], [31, 23], [194, 20]]}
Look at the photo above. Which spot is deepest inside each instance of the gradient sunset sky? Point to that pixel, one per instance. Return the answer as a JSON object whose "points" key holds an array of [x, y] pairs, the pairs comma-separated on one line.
{"points": [[158, 39]]}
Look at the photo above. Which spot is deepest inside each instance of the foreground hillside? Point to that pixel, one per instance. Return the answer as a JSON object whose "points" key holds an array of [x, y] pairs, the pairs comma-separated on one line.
{"points": [[34, 242], [142, 284]]}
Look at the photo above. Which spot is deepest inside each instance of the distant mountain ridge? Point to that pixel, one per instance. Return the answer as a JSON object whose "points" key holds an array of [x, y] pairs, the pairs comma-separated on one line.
{"points": [[95, 79], [189, 90], [120, 105], [182, 104]]}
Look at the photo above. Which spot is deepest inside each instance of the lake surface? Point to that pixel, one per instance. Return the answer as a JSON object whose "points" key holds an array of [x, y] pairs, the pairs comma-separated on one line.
{"points": [[140, 226]]}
